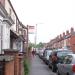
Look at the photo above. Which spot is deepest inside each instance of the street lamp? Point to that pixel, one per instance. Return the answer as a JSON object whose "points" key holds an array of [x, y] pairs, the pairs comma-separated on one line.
{"points": [[36, 34]]}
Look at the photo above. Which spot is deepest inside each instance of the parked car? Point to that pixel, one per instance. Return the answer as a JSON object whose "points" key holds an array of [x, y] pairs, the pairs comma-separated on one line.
{"points": [[37, 51], [46, 55], [68, 65], [41, 53], [60, 54]]}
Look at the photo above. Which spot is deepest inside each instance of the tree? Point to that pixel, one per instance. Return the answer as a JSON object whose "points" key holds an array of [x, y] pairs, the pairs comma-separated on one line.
{"points": [[40, 45]]}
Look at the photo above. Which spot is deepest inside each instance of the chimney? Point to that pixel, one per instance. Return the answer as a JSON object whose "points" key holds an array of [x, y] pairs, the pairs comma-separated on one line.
{"points": [[67, 32], [63, 34], [60, 36], [72, 30]]}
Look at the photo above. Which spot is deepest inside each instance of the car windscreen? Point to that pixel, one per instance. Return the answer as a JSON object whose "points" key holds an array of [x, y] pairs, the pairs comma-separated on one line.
{"points": [[63, 53], [49, 53]]}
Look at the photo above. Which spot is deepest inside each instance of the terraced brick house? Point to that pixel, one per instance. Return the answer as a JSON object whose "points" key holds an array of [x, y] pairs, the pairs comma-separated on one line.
{"points": [[65, 40], [13, 38]]}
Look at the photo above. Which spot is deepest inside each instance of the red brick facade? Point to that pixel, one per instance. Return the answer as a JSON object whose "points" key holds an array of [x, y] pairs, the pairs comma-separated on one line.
{"points": [[66, 39], [9, 68], [14, 67], [72, 42]]}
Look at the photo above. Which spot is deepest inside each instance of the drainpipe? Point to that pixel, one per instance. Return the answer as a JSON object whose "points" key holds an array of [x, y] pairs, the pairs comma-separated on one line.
{"points": [[1, 31], [1, 37]]}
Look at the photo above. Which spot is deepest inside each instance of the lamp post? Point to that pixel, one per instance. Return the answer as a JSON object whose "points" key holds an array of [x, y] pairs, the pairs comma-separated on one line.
{"points": [[36, 34]]}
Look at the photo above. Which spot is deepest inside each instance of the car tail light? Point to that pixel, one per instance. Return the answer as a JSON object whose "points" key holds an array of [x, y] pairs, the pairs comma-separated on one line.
{"points": [[73, 68]]}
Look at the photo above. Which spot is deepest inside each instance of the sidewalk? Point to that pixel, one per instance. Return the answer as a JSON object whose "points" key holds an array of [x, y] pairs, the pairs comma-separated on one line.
{"points": [[38, 67]]}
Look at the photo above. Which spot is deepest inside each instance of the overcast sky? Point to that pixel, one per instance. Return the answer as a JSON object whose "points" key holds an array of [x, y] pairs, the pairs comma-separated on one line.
{"points": [[53, 17]]}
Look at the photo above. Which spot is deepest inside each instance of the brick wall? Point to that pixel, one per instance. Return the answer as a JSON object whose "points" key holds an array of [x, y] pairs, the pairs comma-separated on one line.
{"points": [[9, 68], [72, 43], [13, 67], [17, 65]]}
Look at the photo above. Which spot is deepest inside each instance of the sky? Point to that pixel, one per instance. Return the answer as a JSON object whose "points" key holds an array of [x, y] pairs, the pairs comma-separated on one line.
{"points": [[53, 17]]}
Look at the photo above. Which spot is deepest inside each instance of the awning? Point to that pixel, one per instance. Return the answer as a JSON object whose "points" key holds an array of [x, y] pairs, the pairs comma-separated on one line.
{"points": [[13, 34]]}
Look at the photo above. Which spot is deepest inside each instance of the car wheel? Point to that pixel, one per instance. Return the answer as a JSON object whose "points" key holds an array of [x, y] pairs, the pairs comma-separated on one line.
{"points": [[50, 67], [58, 72], [67, 74], [54, 68]]}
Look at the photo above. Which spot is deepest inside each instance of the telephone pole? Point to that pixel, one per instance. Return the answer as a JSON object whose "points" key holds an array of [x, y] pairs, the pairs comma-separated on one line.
{"points": [[35, 36]]}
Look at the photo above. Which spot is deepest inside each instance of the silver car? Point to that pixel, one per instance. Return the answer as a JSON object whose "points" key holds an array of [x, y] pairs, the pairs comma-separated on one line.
{"points": [[47, 53], [60, 54], [68, 65]]}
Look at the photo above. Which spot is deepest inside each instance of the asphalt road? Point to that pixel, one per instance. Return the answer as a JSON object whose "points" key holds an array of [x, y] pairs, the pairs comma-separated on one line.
{"points": [[38, 67]]}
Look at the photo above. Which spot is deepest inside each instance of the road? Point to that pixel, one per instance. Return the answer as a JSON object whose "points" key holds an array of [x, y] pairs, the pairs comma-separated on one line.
{"points": [[38, 67]]}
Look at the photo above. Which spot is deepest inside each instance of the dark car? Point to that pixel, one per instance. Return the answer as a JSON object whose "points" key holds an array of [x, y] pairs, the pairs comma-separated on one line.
{"points": [[61, 53]]}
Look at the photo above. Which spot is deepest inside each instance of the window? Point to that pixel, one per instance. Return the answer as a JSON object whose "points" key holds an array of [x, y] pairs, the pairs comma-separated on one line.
{"points": [[68, 59]]}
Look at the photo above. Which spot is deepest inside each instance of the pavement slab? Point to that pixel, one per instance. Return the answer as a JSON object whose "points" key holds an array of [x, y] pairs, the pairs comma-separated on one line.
{"points": [[38, 67]]}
